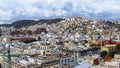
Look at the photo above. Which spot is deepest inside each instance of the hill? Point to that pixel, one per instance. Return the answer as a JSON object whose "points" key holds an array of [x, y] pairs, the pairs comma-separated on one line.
{"points": [[26, 23]]}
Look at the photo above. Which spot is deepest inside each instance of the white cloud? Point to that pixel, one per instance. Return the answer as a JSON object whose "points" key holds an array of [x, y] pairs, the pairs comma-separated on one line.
{"points": [[5, 15], [12, 10], [60, 13]]}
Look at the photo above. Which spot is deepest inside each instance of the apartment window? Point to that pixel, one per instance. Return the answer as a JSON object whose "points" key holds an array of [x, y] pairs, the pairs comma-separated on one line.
{"points": [[68, 59], [65, 61], [62, 61]]}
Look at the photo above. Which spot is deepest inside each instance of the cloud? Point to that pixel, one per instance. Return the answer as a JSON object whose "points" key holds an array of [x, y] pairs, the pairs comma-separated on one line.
{"points": [[12, 10], [5, 15]]}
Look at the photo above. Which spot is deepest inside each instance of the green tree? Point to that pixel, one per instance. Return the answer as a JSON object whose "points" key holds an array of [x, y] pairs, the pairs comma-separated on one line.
{"points": [[104, 53], [118, 48]]}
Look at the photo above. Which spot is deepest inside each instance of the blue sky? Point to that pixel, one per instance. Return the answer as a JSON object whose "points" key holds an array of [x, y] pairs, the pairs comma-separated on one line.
{"points": [[13, 10]]}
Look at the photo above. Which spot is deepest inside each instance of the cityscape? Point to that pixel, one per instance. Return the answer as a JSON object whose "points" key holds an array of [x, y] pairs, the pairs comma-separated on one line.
{"points": [[64, 41], [73, 42]]}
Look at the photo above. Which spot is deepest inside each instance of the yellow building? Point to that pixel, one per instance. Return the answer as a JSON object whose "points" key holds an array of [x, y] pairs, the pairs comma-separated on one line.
{"points": [[45, 49], [117, 56], [45, 52], [109, 48], [68, 43]]}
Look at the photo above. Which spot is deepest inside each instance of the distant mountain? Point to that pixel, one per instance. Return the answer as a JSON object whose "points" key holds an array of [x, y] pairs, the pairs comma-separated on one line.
{"points": [[6, 25], [50, 21], [26, 23], [23, 23]]}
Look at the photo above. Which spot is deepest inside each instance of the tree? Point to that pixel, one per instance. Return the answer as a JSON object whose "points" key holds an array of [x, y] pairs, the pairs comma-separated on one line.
{"points": [[40, 30], [118, 48], [39, 39], [112, 54], [104, 53], [60, 43]]}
